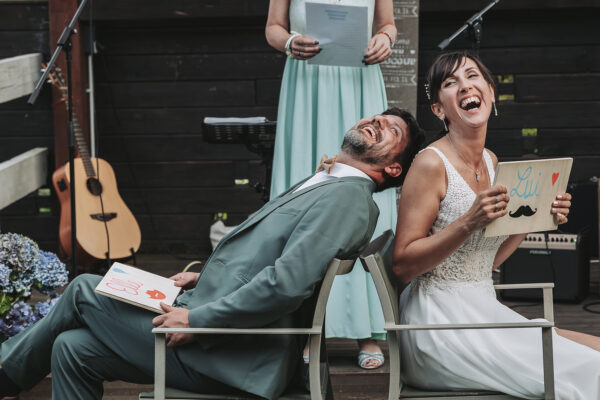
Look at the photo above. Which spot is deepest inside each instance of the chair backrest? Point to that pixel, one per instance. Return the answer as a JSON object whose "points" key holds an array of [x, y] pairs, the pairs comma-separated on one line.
{"points": [[336, 267], [377, 260]]}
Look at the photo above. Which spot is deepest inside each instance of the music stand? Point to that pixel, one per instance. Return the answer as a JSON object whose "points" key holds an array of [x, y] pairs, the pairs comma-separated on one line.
{"points": [[259, 138]]}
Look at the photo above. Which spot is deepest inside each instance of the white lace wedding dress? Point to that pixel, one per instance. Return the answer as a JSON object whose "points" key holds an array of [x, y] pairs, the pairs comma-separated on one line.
{"points": [[459, 290]]}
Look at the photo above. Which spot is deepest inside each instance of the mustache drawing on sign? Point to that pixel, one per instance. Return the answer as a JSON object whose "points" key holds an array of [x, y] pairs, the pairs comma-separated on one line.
{"points": [[523, 210]]}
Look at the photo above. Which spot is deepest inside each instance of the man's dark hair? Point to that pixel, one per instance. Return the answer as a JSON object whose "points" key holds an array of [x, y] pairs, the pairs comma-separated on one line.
{"points": [[416, 138]]}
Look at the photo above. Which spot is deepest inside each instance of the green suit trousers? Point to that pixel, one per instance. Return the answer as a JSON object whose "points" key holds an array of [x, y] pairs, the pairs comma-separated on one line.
{"points": [[88, 338]]}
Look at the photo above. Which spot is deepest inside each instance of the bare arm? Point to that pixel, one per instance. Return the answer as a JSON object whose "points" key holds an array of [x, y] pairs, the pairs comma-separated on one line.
{"points": [[278, 24], [380, 47], [277, 32], [425, 186]]}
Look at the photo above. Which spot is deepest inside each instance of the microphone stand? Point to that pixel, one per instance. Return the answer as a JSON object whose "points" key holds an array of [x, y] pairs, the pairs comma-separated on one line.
{"points": [[474, 27], [64, 43]]}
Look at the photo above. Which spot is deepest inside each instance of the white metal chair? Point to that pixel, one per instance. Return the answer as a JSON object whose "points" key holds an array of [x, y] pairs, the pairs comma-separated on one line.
{"points": [[317, 369], [377, 259]]}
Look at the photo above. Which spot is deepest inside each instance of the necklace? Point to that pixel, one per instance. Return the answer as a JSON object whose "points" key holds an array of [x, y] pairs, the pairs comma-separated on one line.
{"points": [[477, 174]]}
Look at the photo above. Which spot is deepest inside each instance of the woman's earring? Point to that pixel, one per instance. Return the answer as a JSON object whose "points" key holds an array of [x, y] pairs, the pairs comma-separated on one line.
{"points": [[445, 126], [495, 109]]}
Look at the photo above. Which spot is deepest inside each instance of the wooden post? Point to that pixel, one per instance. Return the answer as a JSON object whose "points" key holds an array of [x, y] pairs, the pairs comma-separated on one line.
{"points": [[400, 71], [60, 13]]}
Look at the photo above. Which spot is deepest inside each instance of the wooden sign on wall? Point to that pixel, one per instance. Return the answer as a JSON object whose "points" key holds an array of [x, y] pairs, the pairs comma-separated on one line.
{"points": [[400, 71]]}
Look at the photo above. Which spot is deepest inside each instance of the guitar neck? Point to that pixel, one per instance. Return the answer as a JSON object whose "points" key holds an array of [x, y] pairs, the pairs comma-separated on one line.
{"points": [[58, 80], [84, 152], [80, 142]]}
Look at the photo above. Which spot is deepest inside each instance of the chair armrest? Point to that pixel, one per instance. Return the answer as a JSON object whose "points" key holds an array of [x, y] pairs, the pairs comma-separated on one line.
{"points": [[190, 265], [236, 331], [548, 300], [160, 348], [498, 325], [509, 286]]}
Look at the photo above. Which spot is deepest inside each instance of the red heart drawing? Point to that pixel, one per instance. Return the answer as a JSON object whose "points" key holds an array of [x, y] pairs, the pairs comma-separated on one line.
{"points": [[554, 178]]}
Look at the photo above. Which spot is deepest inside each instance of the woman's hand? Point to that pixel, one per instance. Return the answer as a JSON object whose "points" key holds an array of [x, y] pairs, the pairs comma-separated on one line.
{"points": [[186, 280], [304, 47], [379, 50], [489, 205], [561, 207]]}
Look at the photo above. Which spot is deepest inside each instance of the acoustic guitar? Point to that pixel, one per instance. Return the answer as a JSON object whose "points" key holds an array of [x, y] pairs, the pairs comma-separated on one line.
{"points": [[105, 227]]}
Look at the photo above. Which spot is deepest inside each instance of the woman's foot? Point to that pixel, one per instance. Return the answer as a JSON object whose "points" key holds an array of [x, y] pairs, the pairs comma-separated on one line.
{"points": [[370, 355]]}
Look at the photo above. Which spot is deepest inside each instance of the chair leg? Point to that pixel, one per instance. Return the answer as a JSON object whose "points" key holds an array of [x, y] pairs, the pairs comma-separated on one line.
{"points": [[314, 367], [394, 360], [159, 366], [548, 359]]}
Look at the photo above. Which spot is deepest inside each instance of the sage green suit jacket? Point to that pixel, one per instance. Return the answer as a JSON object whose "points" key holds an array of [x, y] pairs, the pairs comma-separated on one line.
{"points": [[262, 272]]}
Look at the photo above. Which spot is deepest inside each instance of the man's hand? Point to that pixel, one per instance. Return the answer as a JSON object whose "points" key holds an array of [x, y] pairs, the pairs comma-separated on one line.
{"points": [[186, 280], [174, 317]]}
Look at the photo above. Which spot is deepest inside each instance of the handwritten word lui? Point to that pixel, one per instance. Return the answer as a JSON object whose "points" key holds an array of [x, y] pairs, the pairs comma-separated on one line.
{"points": [[525, 187]]}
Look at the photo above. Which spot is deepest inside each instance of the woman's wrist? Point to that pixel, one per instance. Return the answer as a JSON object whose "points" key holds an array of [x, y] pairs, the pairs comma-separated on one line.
{"points": [[288, 43], [388, 35]]}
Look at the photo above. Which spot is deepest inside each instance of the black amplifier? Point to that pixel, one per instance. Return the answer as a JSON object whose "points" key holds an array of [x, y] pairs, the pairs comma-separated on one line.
{"points": [[559, 258]]}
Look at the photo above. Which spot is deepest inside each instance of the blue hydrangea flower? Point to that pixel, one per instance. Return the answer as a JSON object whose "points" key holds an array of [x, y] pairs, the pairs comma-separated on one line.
{"points": [[23, 266], [4, 276], [18, 252], [43, 307], [19, 317], [50, 274]]}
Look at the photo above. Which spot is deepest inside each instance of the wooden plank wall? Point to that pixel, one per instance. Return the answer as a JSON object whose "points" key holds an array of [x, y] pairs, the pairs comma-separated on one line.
{"points": [[549, 56], [156, 81], [23, 30], [164, 66]]}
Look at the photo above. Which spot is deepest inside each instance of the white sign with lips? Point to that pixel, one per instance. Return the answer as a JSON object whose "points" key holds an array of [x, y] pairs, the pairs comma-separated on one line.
{"points": [[138, 287], [532, 187]]}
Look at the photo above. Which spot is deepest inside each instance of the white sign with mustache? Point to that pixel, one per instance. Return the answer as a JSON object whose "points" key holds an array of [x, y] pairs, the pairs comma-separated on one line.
{"points": [[532, 187]]}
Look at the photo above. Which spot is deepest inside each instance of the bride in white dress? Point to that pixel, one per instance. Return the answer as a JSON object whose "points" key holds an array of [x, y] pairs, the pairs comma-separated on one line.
{"points": [[446, 203]]}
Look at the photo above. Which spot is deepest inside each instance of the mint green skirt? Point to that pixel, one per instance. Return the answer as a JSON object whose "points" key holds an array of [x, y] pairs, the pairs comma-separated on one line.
{"points": [[317, 106]]}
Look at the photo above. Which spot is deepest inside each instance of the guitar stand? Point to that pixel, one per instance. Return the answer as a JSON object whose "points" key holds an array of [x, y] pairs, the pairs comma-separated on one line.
{"points": [[108, 260], [133, 256]]}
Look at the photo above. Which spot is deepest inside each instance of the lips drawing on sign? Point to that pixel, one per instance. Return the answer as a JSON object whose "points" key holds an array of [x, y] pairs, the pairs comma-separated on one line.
{"points": [[554, 178], [156, 294]]}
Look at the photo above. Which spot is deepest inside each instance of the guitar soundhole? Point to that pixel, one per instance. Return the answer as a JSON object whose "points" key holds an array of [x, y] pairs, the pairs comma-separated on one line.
{"points": [[94, 186]]}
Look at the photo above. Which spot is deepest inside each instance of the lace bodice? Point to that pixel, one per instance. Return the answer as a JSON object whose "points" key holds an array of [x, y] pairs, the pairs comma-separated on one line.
{"points": [[472, 262]]}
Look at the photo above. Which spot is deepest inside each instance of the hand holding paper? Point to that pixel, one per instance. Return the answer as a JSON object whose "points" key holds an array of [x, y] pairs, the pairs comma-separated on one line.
{"points": [[379, 49], [304, 47], [488, 206], [561, 207]]}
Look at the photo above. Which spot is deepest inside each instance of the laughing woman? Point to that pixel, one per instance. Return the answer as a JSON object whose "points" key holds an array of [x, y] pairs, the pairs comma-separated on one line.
{"points": [[447, 200]]}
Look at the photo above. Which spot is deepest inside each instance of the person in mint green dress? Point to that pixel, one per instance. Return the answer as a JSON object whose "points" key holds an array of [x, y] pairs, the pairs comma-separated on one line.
{"points": [[317, 105]]}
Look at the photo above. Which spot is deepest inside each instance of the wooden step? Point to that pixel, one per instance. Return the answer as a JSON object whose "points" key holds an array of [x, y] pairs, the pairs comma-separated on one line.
{"points": [[348, 380]]}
